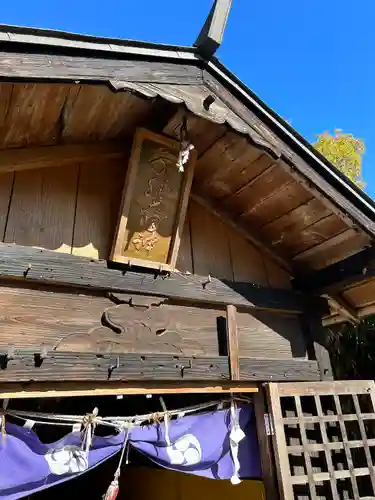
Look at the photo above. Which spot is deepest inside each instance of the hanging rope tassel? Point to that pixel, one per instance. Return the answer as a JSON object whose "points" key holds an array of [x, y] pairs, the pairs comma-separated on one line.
{"points": [[114, 487], [112, 491], [89, 424]]}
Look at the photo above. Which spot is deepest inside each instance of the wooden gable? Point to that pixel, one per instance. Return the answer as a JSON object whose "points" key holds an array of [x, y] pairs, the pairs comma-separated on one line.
{"points": [[80, 136]]}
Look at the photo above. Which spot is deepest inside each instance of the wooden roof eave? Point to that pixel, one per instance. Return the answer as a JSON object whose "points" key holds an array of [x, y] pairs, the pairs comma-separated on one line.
{"points": [[52, 55], [302, 155], [335, 280], [181, 76]]}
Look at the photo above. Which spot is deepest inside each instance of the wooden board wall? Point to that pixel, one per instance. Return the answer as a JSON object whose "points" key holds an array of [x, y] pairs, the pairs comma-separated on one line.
{"points": [[209, 246], [70, 209], [74, 209], [68, 321]]}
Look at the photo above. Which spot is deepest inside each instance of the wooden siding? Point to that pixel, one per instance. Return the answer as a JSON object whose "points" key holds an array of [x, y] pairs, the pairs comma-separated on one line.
{"points": [[216, 249], [72, 322], [73, 209]]}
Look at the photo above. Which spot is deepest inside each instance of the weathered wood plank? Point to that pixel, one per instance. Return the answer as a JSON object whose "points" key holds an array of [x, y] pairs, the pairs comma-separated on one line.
{"points": [[232, 343], [237, 154], [65, 366], [265, 186], [12, 160], [98, 200], [288, 197], [265, 335], [30, 365], [94, 113], [243, 230], [265, 444], [353, 243], [354, 269], [210, 243], [241, 179], [19, 390], [125, 323], [247, 261], [71, 68], [321, 247], [66, 320], [33, 114], [316, 340], [44, 266], [275, 369], [185, 254], [42, 208], [312, 235]]}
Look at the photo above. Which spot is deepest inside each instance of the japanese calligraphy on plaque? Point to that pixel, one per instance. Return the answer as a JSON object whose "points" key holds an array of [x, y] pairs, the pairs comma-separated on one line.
{"points": [[154, 203]]}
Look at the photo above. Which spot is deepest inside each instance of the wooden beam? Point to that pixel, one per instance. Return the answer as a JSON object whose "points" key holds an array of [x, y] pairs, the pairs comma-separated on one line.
{"points": [[36, 265], [12, 160], [325, 245], [232, 343], [14, 390], [316, 340], [366, 311], [29, 64], [343, 307], [242, 230], [332, 320], [362, 313], [264, 431], [25, 365], [354, 269], [267, 370], [211, 35]]}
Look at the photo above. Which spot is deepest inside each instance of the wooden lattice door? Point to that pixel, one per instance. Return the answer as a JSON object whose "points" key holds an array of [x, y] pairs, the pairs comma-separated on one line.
{"points": [[324, 439]]}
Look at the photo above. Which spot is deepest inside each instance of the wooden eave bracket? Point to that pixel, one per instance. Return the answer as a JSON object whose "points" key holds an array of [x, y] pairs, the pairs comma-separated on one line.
{"points": [[343, 308]]}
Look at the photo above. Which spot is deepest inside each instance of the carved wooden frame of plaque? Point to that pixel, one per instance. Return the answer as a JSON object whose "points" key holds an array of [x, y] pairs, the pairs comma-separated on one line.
{"points": [[154, 203]]}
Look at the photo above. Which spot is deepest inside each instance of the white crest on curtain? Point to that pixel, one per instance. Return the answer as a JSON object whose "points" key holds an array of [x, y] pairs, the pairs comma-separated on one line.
{"points": [[185, 451], [67, 460]]}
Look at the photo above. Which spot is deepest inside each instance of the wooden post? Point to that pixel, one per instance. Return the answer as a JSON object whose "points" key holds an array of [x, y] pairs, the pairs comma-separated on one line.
{"points": [[232, 343], [264, 432], [316, 340]]}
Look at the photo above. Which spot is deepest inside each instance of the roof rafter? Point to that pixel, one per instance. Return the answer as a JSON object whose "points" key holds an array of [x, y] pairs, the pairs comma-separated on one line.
{"points": [[354, 269]]}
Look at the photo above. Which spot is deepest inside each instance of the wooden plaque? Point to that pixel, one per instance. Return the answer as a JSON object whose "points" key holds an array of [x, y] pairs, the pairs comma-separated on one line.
{"points": [[154, 203]]}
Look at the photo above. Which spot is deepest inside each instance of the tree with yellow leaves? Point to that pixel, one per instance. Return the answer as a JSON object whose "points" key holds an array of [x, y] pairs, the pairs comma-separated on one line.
{"points": [[351, 347], [345, 152]]}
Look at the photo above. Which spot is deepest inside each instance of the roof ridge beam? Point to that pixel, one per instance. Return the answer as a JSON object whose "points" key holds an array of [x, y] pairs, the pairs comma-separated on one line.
{"points": [[211, 35]]}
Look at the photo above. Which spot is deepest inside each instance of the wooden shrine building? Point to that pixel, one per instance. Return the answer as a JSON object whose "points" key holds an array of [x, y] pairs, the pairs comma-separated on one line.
{"points": [[162, 229]]}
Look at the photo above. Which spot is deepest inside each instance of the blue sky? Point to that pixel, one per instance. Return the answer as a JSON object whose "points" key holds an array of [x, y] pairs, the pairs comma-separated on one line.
{"points": [[311, 61]]}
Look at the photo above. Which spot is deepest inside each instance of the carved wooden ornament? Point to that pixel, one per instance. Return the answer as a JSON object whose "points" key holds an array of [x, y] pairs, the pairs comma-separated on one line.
{"points": [[154, 203]]}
